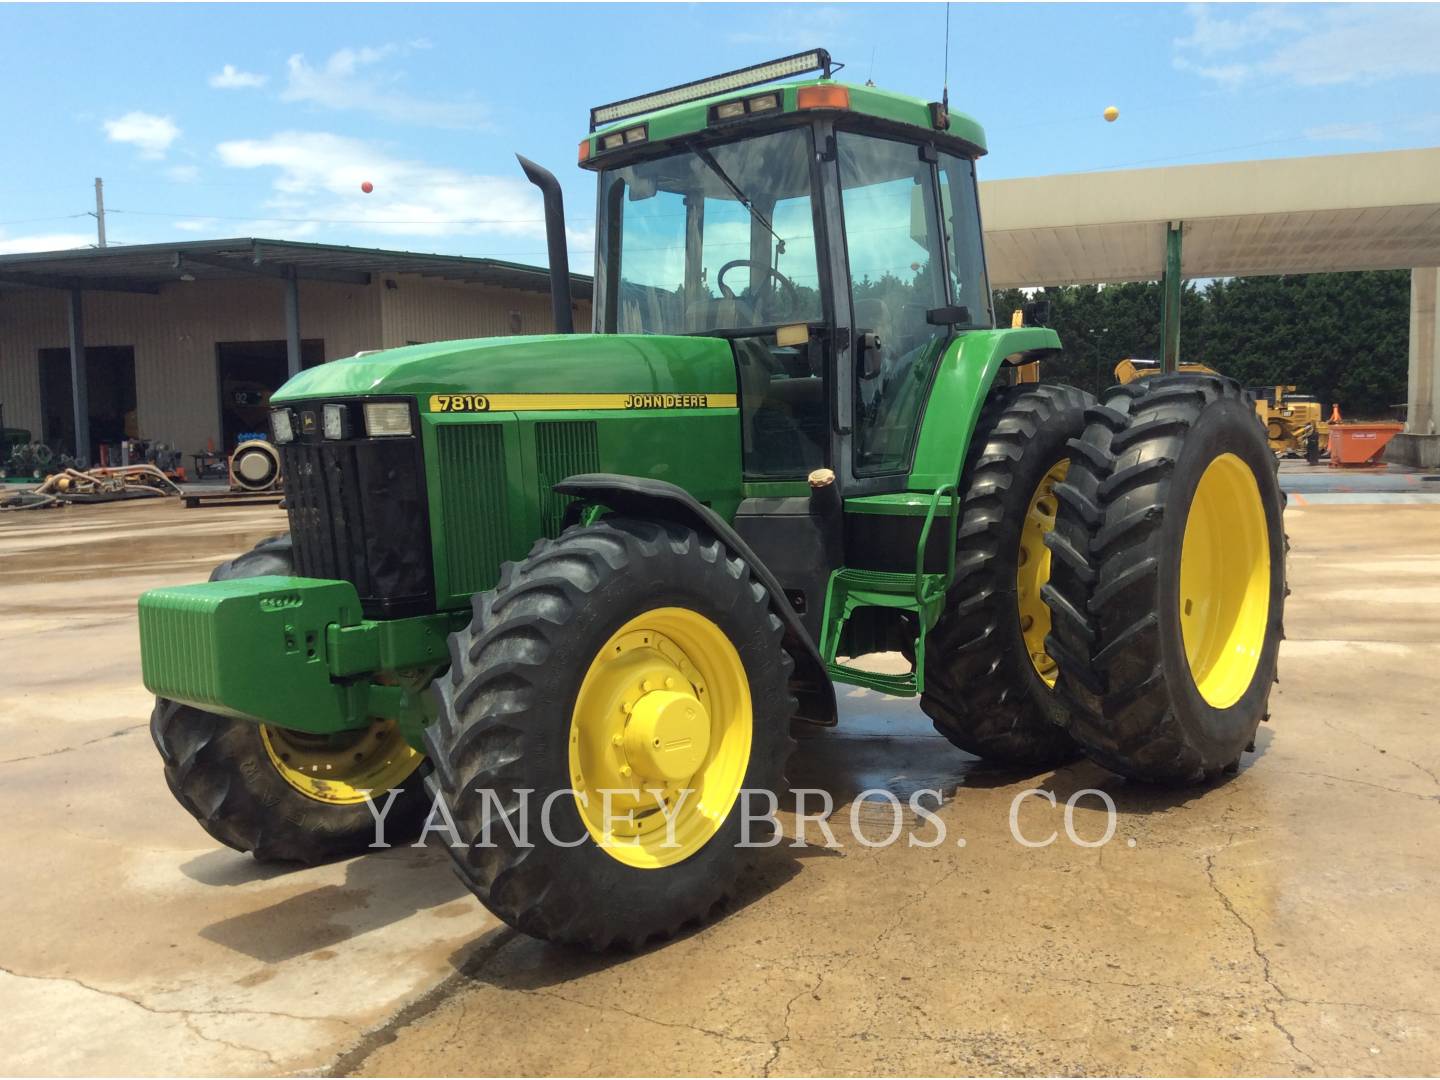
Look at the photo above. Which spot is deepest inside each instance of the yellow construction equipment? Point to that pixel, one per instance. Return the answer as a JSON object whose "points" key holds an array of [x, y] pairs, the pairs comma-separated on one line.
{"points": [[1292, 421]]}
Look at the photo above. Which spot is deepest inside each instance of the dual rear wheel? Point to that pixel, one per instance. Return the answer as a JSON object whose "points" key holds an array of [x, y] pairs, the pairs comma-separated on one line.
{"points": [[1120, 581], [1168, 579]]}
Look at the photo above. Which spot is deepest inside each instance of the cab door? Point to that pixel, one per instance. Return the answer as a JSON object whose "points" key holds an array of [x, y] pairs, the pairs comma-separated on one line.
{"points": [[896, 267]]}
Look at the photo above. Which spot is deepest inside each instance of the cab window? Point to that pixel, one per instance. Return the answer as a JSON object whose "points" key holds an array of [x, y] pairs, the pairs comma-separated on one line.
{"points": [[960, 209], [892, 240], [719, 239]]}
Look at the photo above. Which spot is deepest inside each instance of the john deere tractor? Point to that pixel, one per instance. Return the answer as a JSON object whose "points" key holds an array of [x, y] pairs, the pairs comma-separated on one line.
{"points": [[556, 601]]}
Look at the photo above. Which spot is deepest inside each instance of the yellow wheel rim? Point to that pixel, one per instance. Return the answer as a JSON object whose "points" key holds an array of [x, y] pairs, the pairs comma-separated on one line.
{"points": [[1032, 570], [341, 769], [663, 724], [1225, 581]]}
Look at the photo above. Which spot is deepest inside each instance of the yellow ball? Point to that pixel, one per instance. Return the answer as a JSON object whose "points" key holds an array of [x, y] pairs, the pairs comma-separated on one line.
{"points": [[1112, 113]]}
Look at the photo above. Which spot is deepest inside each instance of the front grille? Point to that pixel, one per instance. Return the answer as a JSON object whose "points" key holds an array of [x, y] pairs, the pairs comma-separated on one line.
{"points": [[562, 448], [474, 504], [358, 513]]}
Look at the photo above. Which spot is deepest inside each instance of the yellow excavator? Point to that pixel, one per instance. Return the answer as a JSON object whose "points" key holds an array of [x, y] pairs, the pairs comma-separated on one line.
{"points": [[1293, 422]]}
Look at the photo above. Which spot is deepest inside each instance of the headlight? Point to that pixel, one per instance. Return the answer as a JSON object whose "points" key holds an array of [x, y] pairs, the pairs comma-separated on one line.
{"points": [[282, 426], [336, 422], [387, 418]]}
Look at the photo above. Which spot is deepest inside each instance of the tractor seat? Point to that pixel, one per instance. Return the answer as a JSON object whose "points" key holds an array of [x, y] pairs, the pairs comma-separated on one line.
{"points": [[803, 395], [708, 312]]}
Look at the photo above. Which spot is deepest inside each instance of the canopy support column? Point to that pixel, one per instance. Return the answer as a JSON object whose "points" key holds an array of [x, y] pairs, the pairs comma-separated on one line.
{"points": [[79, 377], [1419, 443], [1170, 295], [292, 321]]}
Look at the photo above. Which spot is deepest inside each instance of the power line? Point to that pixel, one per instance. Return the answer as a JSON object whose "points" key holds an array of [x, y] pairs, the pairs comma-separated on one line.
{"points": [[56, 217], [262, 216]]}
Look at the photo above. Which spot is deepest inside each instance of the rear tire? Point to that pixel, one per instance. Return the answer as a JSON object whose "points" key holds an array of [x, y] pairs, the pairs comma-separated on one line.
{"points": [[982, 689], [1168, 632], [504, 743]]}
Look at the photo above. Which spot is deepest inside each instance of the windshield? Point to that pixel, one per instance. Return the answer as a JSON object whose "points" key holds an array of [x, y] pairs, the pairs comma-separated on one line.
{"points": [[712, 238]]}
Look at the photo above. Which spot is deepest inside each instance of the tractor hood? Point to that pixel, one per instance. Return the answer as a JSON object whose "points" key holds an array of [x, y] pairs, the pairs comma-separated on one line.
{"points": [[545, 364]]}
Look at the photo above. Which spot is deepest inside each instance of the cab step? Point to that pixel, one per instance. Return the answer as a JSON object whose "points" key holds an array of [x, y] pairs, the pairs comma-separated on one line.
{"points": [[921, 593]]}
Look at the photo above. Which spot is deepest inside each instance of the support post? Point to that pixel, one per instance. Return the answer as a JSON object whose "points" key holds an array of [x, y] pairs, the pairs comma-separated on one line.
{"points": [[1422, 417], [1170, 295], [100, 210], [1419, 444], [79, 377], [292, 321]]}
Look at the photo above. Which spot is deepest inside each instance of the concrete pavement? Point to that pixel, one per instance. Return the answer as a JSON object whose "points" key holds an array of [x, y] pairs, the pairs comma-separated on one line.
{"points": [[1280, 922]]}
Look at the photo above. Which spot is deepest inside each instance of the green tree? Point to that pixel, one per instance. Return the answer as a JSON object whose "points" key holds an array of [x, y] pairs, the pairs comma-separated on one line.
{"points": [[1342, 336]]}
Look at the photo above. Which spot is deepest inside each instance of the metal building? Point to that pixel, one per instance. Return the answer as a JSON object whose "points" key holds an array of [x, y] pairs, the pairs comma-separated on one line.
{"points": [[183, 343]]}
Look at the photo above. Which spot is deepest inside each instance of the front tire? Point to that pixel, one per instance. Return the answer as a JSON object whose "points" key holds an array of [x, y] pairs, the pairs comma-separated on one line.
{"points": [[287, 796], [625, 656], [989, 685], [1168, 589], [232, 776]]}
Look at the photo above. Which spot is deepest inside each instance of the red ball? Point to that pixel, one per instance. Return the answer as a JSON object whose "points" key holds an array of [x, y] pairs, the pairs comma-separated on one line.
{"points": [[367, 187]]}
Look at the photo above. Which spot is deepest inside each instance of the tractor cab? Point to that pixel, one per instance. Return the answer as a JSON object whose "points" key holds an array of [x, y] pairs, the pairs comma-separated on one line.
{"points": [[829, 233]]}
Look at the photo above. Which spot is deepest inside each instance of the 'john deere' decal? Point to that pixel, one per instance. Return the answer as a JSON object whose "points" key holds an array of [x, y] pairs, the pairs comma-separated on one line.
{"points": [[473, 403]]}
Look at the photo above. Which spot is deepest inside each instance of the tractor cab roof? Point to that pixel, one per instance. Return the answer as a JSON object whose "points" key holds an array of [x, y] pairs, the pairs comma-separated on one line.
{"points": [[728, 104]]}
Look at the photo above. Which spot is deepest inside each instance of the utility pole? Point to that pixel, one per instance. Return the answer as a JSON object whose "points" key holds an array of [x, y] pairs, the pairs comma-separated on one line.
{"points": [[99, 214]]}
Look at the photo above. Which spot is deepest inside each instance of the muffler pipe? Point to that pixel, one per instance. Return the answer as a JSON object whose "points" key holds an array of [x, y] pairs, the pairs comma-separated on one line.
{"points": [[562, 314]]}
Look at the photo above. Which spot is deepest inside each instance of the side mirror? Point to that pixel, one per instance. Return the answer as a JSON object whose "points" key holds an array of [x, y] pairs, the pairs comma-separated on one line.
{"points": [[869, 355], [1037, 313]]}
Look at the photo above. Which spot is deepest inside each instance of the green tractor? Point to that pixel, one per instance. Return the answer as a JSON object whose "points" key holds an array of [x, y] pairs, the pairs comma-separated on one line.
{"points": [[558, 600]]}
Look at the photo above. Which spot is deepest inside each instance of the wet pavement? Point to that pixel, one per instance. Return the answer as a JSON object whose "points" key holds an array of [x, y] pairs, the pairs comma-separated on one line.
{"points": [[1280, 922], [1299, 477]]}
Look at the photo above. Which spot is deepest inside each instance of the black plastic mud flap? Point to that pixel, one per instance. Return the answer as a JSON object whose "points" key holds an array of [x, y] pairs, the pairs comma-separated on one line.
{"points": [[637, 496]]}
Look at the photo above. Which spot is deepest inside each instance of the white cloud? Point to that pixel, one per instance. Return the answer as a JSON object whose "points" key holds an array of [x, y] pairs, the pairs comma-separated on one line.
{"points": [[230, 77], [347, 80], [318, 178], [150, 134], [15, 245], [197, 225], [1324, 46], [183, 174]]}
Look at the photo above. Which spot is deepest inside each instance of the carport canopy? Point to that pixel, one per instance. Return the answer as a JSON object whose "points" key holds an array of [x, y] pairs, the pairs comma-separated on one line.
{"points": [[146, 268], [1378, 211]]}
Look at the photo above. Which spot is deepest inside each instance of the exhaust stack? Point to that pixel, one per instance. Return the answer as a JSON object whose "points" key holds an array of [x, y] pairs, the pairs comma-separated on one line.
{"points": [[544, 179]]}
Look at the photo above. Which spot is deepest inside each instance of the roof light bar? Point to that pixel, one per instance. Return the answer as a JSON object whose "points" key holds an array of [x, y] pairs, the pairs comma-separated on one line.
{"points": [[814, 60]]}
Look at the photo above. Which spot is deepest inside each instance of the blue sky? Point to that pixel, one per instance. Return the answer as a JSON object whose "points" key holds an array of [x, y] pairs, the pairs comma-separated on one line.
{"points": [[240, 120]]}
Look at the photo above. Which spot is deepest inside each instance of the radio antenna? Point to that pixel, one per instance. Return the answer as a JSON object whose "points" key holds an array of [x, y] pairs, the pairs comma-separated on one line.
{"points": [[945, 88]]}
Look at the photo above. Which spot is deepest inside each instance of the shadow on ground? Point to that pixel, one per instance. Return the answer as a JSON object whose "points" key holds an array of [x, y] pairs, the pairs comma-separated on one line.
{"points": [[379, 890]]}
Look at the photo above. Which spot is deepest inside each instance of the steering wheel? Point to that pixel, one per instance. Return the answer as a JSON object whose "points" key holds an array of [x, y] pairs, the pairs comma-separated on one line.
{"points": [[770, 272]]}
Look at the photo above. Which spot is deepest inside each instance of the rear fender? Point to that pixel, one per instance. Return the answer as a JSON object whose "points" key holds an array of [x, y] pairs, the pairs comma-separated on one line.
{"points": [[966, 373]]}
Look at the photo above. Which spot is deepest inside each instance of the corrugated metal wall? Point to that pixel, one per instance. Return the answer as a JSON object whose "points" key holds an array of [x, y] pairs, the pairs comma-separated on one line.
{"points": [[422, 309], [175, 333]]}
